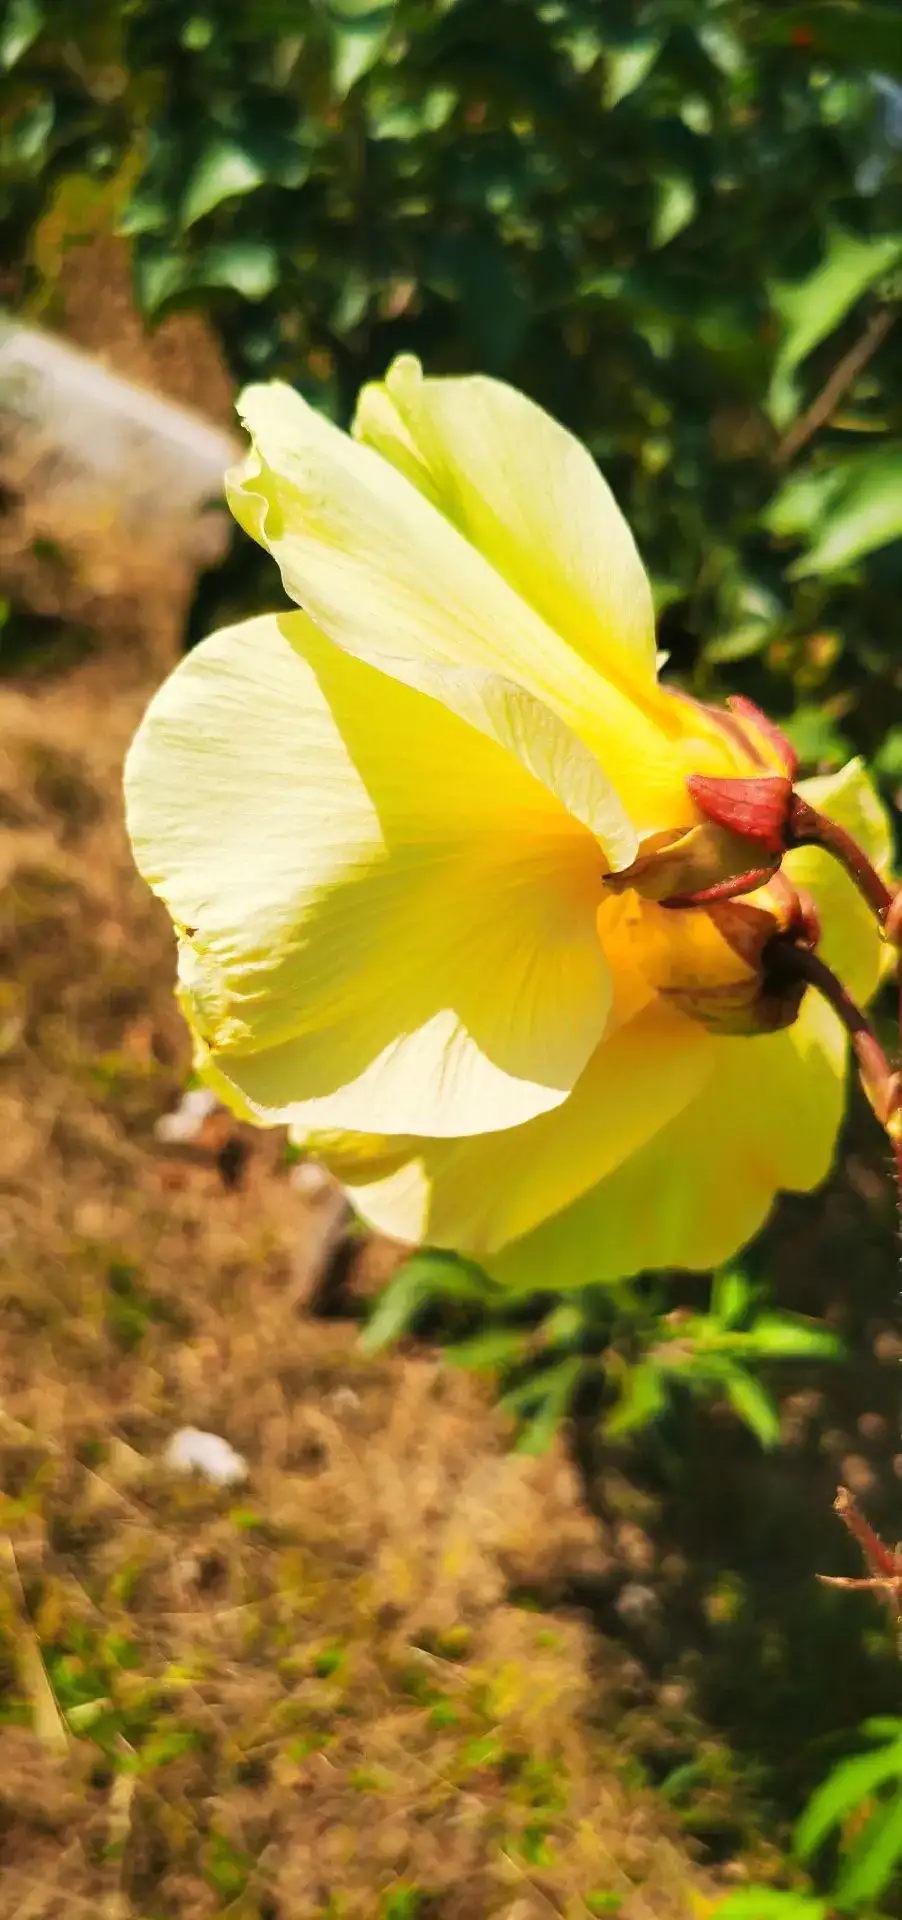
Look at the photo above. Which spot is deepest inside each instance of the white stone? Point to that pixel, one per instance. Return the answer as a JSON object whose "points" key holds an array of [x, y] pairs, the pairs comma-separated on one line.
{"points": [[185, 1122], [192, 1450]]}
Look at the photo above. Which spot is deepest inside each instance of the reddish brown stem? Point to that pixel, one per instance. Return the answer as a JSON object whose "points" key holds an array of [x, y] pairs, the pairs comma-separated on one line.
{"points": [[808, 828], [879, 1559], [799, 963]]}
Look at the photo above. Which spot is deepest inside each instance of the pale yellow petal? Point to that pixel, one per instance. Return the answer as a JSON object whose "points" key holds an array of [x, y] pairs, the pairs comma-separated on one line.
{"points": [[759, 1115], [476, 1195], [391, 580], [388, 920], [766, 1121], [529, 496]]}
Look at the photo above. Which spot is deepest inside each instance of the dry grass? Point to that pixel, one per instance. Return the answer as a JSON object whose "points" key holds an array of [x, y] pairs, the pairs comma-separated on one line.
{"points": [[312, 1695]]}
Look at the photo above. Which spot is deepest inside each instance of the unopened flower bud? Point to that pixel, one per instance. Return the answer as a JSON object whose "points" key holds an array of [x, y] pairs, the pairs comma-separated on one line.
{"points": [[714, 963]]}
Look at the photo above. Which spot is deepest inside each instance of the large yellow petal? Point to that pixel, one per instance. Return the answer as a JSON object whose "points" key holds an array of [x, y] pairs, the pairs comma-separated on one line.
{"points": [[850, 942], [523, 491], [766, 1120], [477, 1195], [390, 921], [390, 579], [683, 1184]]}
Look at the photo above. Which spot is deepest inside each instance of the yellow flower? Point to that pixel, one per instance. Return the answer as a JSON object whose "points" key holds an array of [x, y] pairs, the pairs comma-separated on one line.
{"points": [[417, 837]]}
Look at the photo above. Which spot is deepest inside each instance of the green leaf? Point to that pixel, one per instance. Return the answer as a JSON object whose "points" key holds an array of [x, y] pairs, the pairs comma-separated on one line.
{"points": [[429, 1275], [360, 30], [801, 503], [29, 133], [864, 514], [675, 207], [643, 1397], [883, 1726], [789, 1336], [146, 212], [23, 21], [249, 267], [224, 171], [741, 643], [852, 1782], [626, 67], [731, 1295], [888, 758], [818, 740], [766, 1903], [159, 274], [872, 1858], [538, 1433], [810, 309], [564, 1324], [488, 1350], [756, 1408]]}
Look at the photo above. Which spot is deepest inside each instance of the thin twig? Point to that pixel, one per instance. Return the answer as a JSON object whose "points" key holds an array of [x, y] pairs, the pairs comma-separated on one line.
{"points": [[844, 373]]}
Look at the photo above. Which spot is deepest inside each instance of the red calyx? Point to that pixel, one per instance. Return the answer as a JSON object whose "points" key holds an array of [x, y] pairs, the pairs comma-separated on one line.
{"points": [[757, 808]]}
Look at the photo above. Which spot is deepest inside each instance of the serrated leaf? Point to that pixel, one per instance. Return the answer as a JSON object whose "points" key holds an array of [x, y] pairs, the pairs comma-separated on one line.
{"points": [[225, 171], [852, 1782], [23, 21], [810, 309], [626, 67], [675, 208]]}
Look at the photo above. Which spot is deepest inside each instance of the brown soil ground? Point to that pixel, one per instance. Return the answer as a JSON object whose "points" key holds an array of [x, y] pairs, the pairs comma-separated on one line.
{"points": [[359, 1684]]}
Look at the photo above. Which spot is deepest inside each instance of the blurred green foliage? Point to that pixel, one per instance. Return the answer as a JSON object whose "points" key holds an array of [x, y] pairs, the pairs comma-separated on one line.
{"points": [[620, 1352], [857, 1813], [675, 223]]}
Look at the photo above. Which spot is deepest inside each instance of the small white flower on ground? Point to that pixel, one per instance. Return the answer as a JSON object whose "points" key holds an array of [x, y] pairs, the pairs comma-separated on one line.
{"points": [[193, 1450]]}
